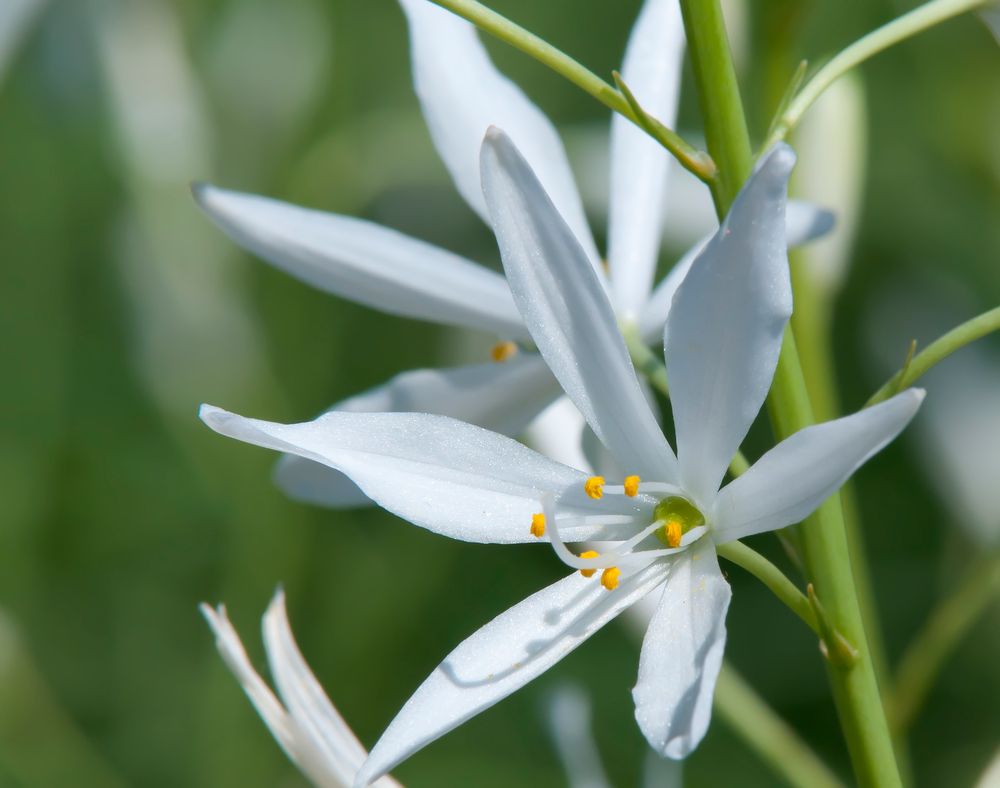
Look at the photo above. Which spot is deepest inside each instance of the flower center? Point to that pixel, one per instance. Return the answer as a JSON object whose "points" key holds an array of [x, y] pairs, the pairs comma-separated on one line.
{"points": [[658, 510], [678, 516]]}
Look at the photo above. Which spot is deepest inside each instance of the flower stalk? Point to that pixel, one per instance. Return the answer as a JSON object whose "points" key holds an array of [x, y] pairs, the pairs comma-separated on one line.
{"points": [[824, 538], [621, 101], [916, 21]]}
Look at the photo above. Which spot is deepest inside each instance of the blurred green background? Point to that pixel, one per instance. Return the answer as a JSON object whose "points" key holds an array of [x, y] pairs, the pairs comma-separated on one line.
{"points": [[121, 309]]}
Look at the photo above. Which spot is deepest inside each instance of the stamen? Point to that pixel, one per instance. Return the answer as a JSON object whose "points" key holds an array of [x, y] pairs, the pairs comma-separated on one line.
{"points": [[503, 351], [538, 525], [610, 577], [594, 487], [674, 533], [588, 554], [631, 485]]}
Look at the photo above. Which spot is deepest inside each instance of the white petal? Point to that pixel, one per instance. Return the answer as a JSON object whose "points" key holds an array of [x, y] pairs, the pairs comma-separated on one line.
{"points": [[568, 313], [724, 331], [502, 397], [451, 478], [298, 745], [366, 263], [558, 433], [682, 653], [652, 69], [789, 482], [308, 704], [462, 94], [502, 657], [803, 223]]}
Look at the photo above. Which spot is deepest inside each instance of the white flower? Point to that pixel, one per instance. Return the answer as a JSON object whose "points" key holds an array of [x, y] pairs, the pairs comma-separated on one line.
{"points": [[304, 722], [663, 521], [462, 94]]}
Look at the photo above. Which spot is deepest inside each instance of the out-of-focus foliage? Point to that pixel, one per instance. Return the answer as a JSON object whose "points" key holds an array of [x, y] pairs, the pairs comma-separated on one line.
{"points": [[121, 309]]}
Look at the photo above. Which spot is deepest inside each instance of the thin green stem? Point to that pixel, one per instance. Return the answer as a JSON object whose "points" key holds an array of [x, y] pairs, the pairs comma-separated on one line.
{"points": [[769, 735], [489, 21], [938, 351], [824, 541], [776, 580], [916, 21], [719, 98], [944, 630]]}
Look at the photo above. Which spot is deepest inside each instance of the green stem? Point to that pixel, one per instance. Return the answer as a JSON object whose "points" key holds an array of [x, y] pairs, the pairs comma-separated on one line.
{"points": [[719, 98], [944, 630], [489, 21], [776, 580], [824, 541], [938, 351], [899, 29], [769, 735]]}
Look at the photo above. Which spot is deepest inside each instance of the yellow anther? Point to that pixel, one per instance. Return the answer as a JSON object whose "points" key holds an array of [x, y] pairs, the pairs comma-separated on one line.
{"points": [[632, 486], [674, 533], [502, 351], [538, 525], [594, 487], [610, 577], [588, 554]]}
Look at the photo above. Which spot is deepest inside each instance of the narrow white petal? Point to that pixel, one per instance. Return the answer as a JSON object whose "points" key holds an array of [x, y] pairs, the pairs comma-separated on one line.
{"points": [[502, 657], [682, 653], [305, 698], [804, 222], [568, 312], [441, 474], [366, 263], [462, 94], [639, 165], [558, 433], [502, 397], [789, 482], [724, 330], [297, 744]]}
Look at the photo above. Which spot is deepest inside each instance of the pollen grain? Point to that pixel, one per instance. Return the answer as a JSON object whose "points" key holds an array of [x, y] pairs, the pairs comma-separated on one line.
{"points": [[631, 485], [610, 577], [538, 525]]}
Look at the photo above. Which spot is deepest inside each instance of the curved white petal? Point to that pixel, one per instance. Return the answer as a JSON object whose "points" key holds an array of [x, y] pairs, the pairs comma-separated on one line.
{"points": [[789, 482], [804, 222], [568, 313], [441, 474], [682, 653], [639, 165], [724, 330], [462, 94], [366, 263], [311, 732], [502, 397], [503, 656]]}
